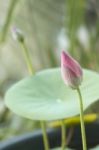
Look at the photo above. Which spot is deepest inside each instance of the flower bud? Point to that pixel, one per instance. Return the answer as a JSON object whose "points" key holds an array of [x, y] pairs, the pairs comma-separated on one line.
{"points": [[17, 34], [71, 71]]}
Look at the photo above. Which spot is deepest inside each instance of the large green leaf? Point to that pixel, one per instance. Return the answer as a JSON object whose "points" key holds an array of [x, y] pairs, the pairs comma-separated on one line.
{"points": [[44, 96], [96, 148]]}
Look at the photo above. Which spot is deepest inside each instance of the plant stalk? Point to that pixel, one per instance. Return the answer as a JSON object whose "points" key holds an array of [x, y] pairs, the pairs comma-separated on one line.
{"points": [[63, 129], [45, 138], [27, 58], [8, 20], [31, 71], [82, 120]]}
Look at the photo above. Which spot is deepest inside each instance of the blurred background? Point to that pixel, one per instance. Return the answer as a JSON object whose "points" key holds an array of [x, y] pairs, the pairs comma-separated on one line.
{"points": [[49, 26]]}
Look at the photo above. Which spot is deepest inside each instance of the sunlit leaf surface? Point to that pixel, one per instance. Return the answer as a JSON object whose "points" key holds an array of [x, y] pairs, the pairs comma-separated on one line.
{"points": [[44, 96]]}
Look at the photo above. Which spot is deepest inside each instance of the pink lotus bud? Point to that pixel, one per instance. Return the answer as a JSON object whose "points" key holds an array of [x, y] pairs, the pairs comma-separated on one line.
{"points": [[71, 71]]}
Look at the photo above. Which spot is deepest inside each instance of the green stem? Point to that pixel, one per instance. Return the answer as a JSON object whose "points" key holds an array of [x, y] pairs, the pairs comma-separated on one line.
{"points": [[31, 71], [27, 57], [82, 120], [8, 20], [45, 138], [63, 128]]}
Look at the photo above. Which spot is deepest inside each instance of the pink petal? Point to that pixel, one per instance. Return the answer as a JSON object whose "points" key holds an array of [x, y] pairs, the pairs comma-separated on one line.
{"points": [[72, 64]]}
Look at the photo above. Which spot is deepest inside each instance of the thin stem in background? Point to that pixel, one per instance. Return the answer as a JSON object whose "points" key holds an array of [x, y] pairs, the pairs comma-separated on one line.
{"points": [[82, 120], [27, 58], [70, 134], [76, 13], [37, 39], [31, 71], [8, 20], [63, 129], [72, 23], [52, 58]]}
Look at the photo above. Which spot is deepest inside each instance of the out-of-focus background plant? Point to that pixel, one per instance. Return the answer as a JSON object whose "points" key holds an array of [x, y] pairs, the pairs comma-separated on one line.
{"points": [[49, 26]]}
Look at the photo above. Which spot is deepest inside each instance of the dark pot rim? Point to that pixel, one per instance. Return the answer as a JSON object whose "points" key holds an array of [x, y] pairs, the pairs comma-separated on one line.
{"points": [[28, 141]]}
